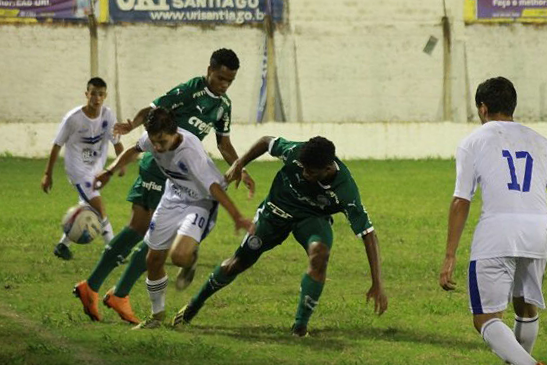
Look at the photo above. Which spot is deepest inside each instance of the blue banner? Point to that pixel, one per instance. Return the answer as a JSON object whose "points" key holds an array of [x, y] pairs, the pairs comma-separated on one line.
{"points": [[194, 11]]}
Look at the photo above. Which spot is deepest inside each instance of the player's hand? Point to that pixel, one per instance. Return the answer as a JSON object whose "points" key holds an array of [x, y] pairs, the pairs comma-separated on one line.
{"points": [[248, 182], [234, 172], [101, 179], [123, 128], [47, 183], [376, 292], [445, 278], [246, 224]]}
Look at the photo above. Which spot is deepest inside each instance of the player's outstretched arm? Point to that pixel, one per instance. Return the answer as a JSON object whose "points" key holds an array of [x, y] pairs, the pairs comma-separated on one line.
{"points": [[129, 125], [121, 161], [229, 154], [47, 179], [118, 148], [457, 216], [240, 222], [258, 149], [376, 291]]}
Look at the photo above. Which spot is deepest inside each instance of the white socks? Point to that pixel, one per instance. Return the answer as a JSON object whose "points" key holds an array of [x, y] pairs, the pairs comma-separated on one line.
{"points": [[526, 331], [156, 292], [502, 341], [64, 240], [108, 233]]}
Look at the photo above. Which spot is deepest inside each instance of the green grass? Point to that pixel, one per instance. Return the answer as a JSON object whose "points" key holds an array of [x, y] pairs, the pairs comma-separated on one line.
{"points": [[248, 322]]}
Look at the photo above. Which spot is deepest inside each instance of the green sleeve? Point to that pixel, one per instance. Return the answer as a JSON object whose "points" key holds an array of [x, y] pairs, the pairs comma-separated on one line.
{"points": [[283, 149], [354, 210], [174, 98]]}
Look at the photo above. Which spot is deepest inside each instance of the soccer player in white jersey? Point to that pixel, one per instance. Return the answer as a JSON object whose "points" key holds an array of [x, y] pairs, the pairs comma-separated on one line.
{"points": [[509, 246], [188, 208], [85, 131]]}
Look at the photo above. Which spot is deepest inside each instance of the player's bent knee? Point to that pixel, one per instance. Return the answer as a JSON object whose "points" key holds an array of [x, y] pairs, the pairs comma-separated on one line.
{"points": [[319, 256], [183, 259]]}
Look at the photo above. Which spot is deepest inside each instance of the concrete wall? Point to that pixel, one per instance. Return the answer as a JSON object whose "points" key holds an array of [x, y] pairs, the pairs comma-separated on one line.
{"points": [[347, 61]]}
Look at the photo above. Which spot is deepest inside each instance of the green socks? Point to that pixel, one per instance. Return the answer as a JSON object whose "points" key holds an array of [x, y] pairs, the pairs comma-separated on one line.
{"points": [[217, 280], [310, 291], [133, 271], [113, 255]]}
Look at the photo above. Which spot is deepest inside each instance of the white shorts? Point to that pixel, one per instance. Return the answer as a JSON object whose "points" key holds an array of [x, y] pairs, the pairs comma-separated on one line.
{"points": [[85, 190], [175, 216], [493, 282]]}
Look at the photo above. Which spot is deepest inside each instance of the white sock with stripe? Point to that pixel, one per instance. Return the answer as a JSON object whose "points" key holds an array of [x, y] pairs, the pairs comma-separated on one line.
{"points": [[65, 241], [108, 233], [502, 341], [156, 292], [526, 331]]}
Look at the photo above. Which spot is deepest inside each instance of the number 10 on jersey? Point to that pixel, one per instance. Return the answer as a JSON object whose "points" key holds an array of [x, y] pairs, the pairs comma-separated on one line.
{"points": [[514, 184]]}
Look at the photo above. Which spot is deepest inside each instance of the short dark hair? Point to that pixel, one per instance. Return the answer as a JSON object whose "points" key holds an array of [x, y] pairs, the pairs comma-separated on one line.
{"points": [[498, 94], [224, 57], [97, 82], [317, 153], [160, 120]]}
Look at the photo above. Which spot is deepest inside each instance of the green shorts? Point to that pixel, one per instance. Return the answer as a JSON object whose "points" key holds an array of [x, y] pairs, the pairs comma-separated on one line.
{"points": [[272, 231], [147, 190]]}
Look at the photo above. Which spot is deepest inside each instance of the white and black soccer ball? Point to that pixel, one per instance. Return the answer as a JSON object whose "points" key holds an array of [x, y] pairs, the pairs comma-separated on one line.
{"points": [[81, 224]]}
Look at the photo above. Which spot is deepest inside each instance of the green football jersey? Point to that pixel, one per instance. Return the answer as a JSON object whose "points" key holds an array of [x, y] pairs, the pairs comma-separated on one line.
{"points": [[292, 196], [197, 110]]}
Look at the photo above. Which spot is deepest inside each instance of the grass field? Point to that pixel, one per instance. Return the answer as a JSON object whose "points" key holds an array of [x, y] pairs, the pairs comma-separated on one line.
{"points": [[248, 322]]}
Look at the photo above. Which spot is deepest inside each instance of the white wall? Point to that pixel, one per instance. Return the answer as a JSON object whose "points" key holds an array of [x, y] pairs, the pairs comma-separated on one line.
{"points": [[347, 61]]}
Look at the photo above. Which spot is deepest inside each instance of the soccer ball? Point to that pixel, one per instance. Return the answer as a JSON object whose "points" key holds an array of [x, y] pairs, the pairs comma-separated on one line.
{"points": [[81, 224]]}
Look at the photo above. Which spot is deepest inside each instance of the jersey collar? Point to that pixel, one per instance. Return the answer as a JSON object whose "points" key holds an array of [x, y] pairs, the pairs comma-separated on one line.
{"points": [[210, 93], [328, 186]]}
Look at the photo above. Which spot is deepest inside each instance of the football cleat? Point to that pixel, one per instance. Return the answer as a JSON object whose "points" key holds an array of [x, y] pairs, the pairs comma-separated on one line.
{"points": [[151, 322], [185, 315], [62, 251], [120, 306], [185, 277], [300, 331], [89, 299]]}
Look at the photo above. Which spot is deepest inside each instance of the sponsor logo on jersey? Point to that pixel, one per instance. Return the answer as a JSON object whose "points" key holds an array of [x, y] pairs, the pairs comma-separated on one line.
{"points": [[89, 156], [200, 109], [181, 191], [254, 242], [278, 211], [105, 124], [202, 127], [151, 185]]}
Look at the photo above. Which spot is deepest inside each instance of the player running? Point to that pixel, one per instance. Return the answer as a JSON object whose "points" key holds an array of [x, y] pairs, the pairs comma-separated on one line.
{"points": [[312, 185], [85, 131], [188, 209], [509, 246], [199, 105]]}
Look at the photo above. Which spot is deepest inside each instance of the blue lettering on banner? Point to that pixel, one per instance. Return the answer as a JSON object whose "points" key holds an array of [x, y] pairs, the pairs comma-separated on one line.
{"points": [[194, 11]]}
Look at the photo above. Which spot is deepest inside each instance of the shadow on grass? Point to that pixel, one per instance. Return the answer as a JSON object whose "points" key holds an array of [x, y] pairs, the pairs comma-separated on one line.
{"points": [[334, 338]]}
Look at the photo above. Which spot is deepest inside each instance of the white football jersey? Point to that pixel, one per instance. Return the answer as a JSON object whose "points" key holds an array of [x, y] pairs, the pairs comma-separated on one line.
{"points": [[86, 142], [509, 162], [188, 167]]}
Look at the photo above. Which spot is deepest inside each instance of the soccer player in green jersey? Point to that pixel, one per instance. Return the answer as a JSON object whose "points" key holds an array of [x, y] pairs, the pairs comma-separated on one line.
{"points": [[311, 186], [199, 105]]}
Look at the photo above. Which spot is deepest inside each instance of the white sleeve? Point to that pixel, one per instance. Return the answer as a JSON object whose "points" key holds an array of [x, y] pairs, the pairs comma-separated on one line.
{"points": [[466, 181], [205, 173], [63, 132], [144, 144]]}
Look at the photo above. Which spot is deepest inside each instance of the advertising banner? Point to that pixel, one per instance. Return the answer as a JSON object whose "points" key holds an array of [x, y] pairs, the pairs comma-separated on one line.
{"points": [[51, 9], [194, 11], [506, 10]]}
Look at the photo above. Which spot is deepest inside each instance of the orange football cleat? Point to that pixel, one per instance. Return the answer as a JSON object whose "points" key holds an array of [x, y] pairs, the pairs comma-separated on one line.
{"points": [[121, 306], [89, 299]]}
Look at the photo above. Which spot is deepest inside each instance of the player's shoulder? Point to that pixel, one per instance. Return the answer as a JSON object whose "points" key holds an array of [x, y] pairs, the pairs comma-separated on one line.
{"points": [[226, 100], [73, 114]]}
